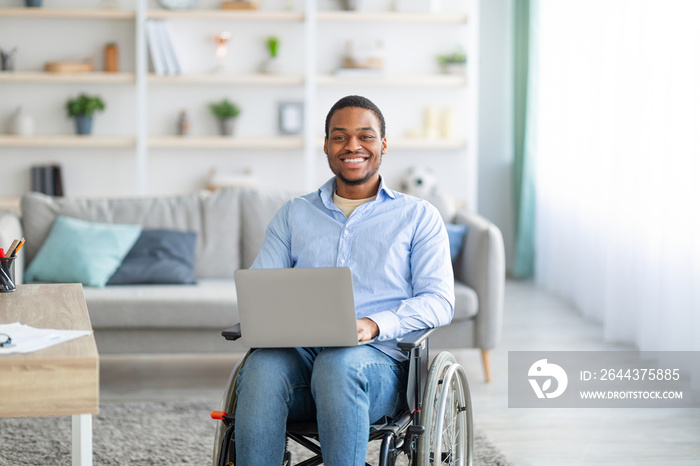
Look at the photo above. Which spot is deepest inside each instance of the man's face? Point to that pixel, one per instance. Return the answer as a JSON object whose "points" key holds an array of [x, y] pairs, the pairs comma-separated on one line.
{"points": [[354, 146]]}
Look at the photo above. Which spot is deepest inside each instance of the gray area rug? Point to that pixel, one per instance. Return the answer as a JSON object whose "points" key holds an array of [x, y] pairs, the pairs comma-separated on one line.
{"points": [[144, 434]]}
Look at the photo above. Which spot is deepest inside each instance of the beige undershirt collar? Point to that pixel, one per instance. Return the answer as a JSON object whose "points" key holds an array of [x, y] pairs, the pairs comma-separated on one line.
{"points": [[347, 206]]}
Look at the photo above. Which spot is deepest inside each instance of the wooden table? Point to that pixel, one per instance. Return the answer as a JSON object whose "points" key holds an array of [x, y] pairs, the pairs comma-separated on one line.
{"points": [[62, 380]]}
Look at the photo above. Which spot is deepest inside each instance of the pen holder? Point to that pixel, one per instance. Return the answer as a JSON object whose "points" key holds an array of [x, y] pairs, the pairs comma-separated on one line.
{"points": [[7, 274]]}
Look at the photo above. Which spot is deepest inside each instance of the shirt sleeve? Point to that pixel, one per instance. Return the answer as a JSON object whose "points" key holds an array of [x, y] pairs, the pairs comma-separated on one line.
{"points": [[432, 279], [276, 250]]}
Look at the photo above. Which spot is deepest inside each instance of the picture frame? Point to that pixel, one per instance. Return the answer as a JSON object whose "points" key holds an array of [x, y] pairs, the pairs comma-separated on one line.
{"points": [[291, 117]]}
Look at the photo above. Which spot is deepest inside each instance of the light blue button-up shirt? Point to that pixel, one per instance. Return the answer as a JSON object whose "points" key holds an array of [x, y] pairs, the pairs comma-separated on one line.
{"points": [[396, 247]]}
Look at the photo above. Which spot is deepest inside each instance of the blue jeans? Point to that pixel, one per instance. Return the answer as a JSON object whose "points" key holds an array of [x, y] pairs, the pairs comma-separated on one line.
{"points": [[343, 389]]}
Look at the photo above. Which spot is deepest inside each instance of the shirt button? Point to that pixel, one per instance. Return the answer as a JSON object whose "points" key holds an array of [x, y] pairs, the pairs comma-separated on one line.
{"points": [[342, 261], [345, 232]]}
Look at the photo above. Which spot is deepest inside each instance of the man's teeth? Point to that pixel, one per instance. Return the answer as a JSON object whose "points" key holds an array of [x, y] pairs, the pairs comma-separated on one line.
{"points": [[354, 160]]}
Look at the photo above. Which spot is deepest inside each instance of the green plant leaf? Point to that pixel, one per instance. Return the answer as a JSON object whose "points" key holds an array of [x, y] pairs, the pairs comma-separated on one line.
{"points": [[225, 109], [273, 44], [84, 105]]}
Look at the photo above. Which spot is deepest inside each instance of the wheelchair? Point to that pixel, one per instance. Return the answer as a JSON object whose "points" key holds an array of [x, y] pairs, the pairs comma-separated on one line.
{"points": [[435, 428]]}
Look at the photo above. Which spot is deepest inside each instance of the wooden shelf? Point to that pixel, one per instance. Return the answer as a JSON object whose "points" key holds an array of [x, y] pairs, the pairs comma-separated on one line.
{"points": [[227, 15], [394, 17], [262, 79], [74, 13], [75, 141], [256, 15], [220, 142], [44, 77], [439, 80]]}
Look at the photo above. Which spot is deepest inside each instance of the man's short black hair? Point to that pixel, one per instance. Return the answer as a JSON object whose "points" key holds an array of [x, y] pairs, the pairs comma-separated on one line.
{"points": [[357, 101]]}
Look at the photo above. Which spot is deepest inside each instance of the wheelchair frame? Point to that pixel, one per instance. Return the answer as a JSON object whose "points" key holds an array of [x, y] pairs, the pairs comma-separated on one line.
{"points": [[436, 424]]}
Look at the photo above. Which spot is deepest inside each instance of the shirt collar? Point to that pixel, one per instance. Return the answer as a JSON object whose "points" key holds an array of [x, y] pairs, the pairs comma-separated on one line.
{"points": [[326, 191]]}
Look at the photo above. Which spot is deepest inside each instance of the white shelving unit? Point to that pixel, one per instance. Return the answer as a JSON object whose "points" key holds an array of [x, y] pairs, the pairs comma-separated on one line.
{"points": [[72, 13], [205, 142], [310, 83], [250, 79]]}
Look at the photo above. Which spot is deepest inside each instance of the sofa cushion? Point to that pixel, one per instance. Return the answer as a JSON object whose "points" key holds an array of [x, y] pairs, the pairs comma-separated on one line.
{"points": [[466, 302], [456, 234], [213, 216], [211, 303], [257, 209], [159, 256], [82, 252]]}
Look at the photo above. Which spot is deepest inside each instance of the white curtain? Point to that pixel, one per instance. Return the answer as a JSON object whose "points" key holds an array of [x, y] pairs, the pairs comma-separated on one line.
{"points": [[618, 164]]}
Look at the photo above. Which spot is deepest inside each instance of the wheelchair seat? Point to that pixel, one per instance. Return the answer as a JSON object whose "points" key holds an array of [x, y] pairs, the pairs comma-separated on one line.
{"points": [[435, 428]]}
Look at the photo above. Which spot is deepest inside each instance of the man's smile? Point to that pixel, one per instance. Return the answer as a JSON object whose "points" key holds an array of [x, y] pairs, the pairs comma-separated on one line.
{"points": [[354, 160]]}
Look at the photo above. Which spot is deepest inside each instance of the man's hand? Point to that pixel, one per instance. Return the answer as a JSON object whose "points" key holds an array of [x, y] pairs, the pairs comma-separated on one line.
{"points": [[366, 329]]}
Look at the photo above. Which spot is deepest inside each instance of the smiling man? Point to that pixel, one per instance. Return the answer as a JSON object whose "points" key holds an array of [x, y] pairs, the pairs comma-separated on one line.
{"points": [[397, 249], [355, 144]]}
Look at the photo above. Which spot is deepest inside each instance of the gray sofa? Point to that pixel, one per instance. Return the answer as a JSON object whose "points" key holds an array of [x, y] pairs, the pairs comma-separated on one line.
{"points": [[230, 225]]}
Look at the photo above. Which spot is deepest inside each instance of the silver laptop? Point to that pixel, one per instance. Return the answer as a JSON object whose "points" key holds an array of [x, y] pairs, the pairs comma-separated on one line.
{"points": [[285, 308]]}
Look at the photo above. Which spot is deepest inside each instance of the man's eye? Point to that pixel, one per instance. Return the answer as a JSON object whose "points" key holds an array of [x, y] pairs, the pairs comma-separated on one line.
{"points": [[367, 137]]}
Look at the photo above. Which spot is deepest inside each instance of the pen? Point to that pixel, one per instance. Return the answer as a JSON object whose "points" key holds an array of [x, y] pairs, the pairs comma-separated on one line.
{"points": [[6, 280], [2, 253]]}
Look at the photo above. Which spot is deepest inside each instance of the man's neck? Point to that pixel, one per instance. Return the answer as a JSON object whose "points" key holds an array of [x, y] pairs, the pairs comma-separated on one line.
{"points": [[362, 191]]}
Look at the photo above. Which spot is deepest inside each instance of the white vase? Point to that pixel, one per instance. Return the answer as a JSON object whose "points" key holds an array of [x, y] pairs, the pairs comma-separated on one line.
{"points": [[454, 68], [350, 5], [21, 124], [270, 66], [227, 126]]}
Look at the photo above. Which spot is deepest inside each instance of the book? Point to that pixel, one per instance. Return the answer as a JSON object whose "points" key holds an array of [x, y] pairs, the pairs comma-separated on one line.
{"points": [[57, 181], [155, 48], [37, 180], [47, 179], [170, 56]]}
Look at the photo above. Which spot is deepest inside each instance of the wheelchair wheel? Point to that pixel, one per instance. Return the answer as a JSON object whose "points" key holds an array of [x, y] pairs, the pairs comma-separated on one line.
{"points": [[223, 441], [446, 414]]}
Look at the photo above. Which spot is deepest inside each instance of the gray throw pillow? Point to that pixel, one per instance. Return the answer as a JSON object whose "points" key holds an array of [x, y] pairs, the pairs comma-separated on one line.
{"points": [[159, 256]]}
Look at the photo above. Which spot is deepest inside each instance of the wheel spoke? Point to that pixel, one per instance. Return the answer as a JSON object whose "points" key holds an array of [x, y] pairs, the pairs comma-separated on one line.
{"points": [[446, 417]]}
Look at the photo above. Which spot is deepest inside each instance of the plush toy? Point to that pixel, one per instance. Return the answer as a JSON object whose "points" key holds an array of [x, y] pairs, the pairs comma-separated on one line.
{"points": [[421, 182]]}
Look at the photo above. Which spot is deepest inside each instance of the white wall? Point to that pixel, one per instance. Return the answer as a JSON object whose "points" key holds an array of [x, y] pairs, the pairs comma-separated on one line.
{"points": [[496, 117]]}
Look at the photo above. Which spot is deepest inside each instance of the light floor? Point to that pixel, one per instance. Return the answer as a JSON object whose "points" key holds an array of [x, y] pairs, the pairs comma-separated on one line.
{"points": [[533, 320]]}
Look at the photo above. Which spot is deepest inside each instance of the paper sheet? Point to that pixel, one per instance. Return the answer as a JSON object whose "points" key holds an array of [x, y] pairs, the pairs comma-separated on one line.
{"points": [[26, 339]]}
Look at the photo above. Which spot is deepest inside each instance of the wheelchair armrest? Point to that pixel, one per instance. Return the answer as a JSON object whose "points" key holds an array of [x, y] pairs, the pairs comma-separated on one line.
{"points": [[414, 339], [232, 333]]}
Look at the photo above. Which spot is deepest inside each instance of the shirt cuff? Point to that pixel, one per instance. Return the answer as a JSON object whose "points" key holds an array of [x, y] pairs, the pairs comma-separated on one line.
{"points": [[388, 323]]}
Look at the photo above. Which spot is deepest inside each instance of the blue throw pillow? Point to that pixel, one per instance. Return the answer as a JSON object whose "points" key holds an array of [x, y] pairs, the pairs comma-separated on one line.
{"points": [[456, 233], [77, 251], [159, 256]]}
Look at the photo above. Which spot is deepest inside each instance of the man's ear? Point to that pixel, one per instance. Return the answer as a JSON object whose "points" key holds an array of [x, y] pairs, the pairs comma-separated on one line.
{"points": [[325, 146], [384, 146]]}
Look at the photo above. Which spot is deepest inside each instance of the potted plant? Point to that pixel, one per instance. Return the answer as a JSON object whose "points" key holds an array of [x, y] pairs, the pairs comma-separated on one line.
{"points": [[453, 63], [272, 44], [83, 109], [226, 111]]}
